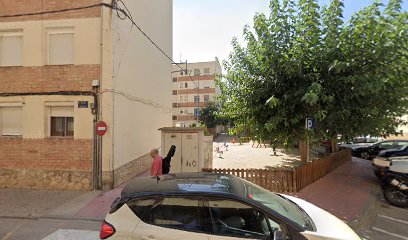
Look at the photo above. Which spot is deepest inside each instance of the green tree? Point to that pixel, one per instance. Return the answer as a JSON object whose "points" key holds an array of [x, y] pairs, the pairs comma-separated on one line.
{"points": [[209, 115], [304, 61]]}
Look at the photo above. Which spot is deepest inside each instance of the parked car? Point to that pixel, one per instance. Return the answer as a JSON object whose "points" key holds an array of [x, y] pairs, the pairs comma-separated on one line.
{"points": [[383, 158], [371, 151], [215, 206]]}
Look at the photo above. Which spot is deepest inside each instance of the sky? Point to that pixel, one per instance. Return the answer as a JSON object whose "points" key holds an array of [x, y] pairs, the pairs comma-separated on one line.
{"points": [[203, 29]]}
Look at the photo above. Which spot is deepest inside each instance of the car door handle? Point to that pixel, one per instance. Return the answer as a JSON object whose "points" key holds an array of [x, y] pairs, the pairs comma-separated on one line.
{"points": [[150, 237]]}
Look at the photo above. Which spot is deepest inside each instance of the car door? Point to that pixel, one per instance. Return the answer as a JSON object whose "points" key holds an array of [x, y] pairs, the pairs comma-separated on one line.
{"points": [[383, 146], [233, 220], [172, 218]]}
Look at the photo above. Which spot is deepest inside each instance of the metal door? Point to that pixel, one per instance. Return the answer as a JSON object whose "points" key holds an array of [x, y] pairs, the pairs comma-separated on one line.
{"points": [[189, 152], [173, 139]]}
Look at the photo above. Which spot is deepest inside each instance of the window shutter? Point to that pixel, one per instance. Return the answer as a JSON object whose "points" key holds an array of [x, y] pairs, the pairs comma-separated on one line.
{"points": [[11, 121], [61, 48], [11, 49], [62, 111]]}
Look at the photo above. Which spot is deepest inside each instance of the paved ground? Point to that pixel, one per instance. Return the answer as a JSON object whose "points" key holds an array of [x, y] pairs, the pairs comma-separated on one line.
{"points": [[48, 229], [352, 193], [245, 156]]}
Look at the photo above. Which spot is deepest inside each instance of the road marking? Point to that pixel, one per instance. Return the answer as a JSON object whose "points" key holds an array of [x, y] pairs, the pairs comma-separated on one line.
{"points": [[389, 233], [71, 234], [394, 219]]}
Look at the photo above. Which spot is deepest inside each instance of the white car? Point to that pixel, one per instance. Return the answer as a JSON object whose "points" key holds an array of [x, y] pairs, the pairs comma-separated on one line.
{"points": [[205, 206]]}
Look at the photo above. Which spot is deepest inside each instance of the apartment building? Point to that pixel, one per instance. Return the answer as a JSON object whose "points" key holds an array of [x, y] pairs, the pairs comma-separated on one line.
{"points": [[60, 73], [193, 90]]}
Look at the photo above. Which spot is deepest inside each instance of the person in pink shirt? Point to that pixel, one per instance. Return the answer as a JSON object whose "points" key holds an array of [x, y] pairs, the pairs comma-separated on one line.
{"points": [[156, 169]]}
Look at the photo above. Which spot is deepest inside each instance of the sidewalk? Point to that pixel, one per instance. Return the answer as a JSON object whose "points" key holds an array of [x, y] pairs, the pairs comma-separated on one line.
{"points": [[347, 192]]}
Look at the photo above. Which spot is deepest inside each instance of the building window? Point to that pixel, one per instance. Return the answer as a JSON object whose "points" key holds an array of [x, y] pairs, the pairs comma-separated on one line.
{"points": [[206, 84], [196, 98], [196, 111], [197, 72], [174, 79], [61, 46], [181, 85], [62, 121], [186, 85], [11, 121], [181, 72], [206, 71], [181, 111], [174, 92], [206, 98], [174, 105], [174, 118], [11, 48]]}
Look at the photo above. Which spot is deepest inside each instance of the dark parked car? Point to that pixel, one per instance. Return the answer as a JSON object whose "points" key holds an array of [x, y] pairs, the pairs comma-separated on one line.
{"points": [[399, 152], [371, 151]]}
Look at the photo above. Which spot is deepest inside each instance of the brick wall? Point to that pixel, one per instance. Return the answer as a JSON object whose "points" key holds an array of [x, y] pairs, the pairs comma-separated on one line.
{"points": [[48, 153], [52, 163], [48, 78], [12, 7], [195, 91]]}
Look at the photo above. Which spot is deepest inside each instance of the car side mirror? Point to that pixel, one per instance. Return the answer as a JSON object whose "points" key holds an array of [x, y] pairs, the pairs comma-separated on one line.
{"points": [[278, 235]]}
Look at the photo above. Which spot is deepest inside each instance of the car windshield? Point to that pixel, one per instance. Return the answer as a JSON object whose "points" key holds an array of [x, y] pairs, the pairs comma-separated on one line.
{"points": [[278, 204]]}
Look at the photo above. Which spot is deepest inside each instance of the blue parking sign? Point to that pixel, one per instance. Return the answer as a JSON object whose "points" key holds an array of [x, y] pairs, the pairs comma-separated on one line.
{"points": [[310, 123]]}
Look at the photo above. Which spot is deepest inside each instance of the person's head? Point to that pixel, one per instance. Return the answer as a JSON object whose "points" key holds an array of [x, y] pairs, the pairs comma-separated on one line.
{"points": [[154, 152]]}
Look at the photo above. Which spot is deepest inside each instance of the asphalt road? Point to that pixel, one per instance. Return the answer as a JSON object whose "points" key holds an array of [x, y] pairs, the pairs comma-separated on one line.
{"points": [[48, 229], [387, 222]]}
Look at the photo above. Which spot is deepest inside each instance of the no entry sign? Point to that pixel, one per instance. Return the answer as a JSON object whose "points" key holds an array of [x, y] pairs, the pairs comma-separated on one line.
{"points": [[101, 128]]}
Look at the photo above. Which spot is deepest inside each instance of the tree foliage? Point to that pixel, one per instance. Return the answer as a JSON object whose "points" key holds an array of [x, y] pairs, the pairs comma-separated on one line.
{"points": [[303, 61], [210, 115]]}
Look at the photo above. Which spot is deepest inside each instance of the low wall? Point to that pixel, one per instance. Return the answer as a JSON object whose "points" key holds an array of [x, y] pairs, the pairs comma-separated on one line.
{"points": [[126, 172], [51, 163]]}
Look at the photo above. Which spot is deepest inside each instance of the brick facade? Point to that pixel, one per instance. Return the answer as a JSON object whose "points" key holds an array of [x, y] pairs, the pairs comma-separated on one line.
{"points": [[52, 163], [47, 153], [195, 91], [195, 78], [12, 7], [48, 78]]}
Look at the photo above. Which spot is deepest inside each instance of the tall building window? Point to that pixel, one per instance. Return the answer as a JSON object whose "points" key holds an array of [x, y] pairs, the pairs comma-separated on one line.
{"points": [[186, 85], [206, 71], [62, 121], [196, 111], [11, 121], [11, 48], [174, 105], [174, 79], [60, 46], [181, 85], [206, 98], [174, 92], [196, 98], [197, 72], [174, 118]]}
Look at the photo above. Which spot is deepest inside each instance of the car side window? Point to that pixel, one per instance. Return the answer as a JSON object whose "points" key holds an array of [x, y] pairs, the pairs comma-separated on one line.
{"points": [[235, 219], [387, 145], [140, 207], [178, 213], [402, 144]]}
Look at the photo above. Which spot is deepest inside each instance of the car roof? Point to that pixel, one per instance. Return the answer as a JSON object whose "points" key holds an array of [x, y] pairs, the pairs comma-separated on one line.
{"points": [[186, 183]]}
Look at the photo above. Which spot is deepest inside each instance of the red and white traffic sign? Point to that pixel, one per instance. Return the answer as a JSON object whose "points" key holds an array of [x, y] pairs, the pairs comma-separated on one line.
{"points": [[101, 128]]}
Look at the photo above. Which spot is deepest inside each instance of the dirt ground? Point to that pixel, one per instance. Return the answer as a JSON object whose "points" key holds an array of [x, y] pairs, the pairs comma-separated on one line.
{"points": [[245, 156]]}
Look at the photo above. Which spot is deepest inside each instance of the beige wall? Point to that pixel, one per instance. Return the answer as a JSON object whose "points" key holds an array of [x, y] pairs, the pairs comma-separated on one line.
{"points": [[86, 39], [141, 71], [35, 117]]}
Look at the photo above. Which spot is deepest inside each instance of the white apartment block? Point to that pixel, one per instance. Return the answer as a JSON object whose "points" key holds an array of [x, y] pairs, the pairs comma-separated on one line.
{"points": [[193, 91]]}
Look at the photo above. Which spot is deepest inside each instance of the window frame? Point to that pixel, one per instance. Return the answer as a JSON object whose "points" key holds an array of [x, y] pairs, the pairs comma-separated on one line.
{"points": [[49, 116], [55, 31], [196, 98], [201, 210], [20, 106], [284, 227], [208, 98], [207, 73], [13, 33]]}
